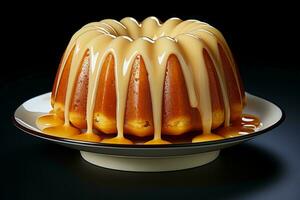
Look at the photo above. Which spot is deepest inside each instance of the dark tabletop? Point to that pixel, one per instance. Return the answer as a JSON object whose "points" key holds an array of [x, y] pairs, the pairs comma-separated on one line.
{"points": [[264, 168]]}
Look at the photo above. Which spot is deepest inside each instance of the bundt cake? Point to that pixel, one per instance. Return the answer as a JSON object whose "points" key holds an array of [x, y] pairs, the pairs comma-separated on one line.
{"points": [[148, 80]]}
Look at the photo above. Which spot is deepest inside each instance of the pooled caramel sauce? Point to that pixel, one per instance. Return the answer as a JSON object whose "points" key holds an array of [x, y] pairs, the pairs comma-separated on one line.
{"points": [[158, 141], [65, 131], [117, 140], [245, 125], [48, 120], [204, 137], [54, 126]]}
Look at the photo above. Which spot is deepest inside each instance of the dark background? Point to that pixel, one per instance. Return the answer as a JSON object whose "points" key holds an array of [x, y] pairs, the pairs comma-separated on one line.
{"points": [[265, 42], [258, 34]]}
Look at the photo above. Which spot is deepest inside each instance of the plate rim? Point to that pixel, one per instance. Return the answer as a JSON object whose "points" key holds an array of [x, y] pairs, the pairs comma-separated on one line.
{"points": [[150, 146]]}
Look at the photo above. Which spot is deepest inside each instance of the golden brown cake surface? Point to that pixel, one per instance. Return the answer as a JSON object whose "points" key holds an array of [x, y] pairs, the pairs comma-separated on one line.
{"points": [[149, 80]]}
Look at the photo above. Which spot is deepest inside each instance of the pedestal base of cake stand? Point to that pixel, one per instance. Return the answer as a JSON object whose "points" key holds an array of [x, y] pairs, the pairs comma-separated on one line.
{"points": [[149, 164]]}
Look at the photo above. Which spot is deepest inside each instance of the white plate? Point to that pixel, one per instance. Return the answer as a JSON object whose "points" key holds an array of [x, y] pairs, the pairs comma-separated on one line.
{"points": [[147, 157]]}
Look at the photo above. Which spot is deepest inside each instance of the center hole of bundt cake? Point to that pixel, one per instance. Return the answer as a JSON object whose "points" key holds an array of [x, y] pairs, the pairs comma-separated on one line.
{"points": [[149, 37]]}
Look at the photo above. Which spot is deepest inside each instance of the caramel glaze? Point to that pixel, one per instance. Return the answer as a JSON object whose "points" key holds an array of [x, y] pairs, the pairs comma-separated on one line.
{"points": [[147, 80]]}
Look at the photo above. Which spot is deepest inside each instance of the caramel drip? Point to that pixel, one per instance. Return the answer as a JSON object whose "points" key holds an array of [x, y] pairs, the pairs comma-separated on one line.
{"points": [[99, 46], [154, 42]]}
